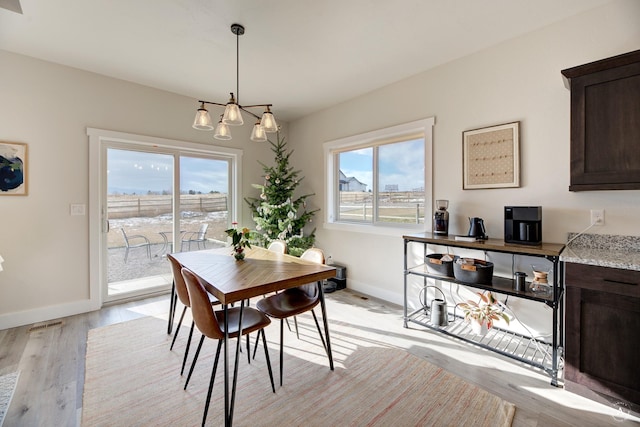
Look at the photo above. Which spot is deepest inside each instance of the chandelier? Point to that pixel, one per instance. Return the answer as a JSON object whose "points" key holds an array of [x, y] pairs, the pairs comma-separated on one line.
{"points": [[232, 115]]}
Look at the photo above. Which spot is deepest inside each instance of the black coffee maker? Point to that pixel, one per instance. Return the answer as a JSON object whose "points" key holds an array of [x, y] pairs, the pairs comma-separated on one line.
{"points": [[476, 228]]}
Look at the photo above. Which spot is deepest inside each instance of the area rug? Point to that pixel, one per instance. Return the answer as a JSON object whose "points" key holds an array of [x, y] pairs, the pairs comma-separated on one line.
{"points": [[133, 379], [7, 387]]}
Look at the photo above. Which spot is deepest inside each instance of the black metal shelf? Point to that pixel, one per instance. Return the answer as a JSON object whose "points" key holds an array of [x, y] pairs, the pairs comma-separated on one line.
{"points": [[528, 350], [499, 284], [537, 353]]}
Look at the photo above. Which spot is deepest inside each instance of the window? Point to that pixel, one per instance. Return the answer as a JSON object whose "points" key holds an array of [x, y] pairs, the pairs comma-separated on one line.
{"points": [[381, 178]]}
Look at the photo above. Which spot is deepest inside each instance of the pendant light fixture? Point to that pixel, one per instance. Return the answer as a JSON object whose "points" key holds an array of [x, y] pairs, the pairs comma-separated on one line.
{"points": [[232, 115]]}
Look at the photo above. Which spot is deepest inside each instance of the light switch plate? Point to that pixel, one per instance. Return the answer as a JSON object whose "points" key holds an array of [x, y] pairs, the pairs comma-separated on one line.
{"points": [[77, 209]]}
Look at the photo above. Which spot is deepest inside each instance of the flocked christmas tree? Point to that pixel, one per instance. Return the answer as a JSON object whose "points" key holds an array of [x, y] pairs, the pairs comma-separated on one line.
{"points": [[277, 214]]}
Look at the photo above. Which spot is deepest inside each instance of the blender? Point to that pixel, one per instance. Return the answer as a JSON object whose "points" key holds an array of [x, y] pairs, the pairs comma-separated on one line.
{"points": [[441, 218]]}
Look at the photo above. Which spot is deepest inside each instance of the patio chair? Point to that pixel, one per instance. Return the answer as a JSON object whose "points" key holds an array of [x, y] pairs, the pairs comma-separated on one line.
{"points": [[197, 237], [135, 241]]}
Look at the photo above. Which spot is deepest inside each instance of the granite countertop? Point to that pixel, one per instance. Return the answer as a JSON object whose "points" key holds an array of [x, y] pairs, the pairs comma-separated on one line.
{"points": [[604, 250]]}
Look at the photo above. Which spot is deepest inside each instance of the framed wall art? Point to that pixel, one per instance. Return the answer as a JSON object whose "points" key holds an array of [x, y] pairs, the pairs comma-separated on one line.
{"points": [[491, 157], [13, 169]]}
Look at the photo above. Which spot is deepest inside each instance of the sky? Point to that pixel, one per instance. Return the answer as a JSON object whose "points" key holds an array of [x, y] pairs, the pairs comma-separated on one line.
{"points": [[400, 164], [134, 172]]}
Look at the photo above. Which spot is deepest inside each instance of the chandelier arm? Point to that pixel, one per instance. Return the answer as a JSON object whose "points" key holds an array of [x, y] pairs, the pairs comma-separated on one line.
{"points": [[249, 112], [257, 105], [212, 103]]}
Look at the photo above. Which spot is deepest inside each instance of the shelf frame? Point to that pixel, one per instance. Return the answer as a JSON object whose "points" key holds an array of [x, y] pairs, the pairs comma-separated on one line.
{"points": [[499, 285]]}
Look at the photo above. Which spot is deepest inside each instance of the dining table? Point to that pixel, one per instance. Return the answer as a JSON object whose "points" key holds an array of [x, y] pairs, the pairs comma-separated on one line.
{"points": [[261, 272]]}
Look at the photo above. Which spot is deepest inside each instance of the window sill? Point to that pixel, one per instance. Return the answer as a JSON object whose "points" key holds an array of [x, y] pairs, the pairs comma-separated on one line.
{"points": [[375, 229]]}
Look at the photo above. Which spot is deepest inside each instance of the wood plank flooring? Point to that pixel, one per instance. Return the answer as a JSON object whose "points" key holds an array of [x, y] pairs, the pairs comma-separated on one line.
{"points": [[51, 364]]}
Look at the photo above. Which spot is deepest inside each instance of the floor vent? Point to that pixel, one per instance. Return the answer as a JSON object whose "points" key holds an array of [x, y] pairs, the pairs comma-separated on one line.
{"points": [[41, 326]]}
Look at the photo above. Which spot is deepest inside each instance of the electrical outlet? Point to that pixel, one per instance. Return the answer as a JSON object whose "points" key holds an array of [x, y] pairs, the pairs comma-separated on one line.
{"points": [[597, 216]]}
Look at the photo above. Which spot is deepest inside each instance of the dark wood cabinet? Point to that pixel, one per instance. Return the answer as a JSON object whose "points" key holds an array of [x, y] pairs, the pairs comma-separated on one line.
{"points": [[602, 354], [605, 123]]}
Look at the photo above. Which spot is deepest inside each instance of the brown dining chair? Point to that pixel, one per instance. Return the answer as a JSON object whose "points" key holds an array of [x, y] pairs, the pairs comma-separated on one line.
{"points": [[211, 324], [182, 293], [294, 301]]}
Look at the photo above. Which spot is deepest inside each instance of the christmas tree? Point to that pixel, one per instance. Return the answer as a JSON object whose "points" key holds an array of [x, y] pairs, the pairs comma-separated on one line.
{"points": [[277, 214]]}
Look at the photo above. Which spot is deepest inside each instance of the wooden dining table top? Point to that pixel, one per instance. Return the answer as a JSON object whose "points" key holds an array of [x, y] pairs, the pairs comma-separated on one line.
{"points": [[261, 272]]}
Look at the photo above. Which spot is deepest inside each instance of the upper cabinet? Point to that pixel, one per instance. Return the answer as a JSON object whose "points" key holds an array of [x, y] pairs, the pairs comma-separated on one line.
{"points": [[605, 123]]}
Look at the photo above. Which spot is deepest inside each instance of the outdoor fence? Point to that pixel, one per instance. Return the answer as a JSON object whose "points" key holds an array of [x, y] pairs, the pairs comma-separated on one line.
{"points": [[152, 206]]}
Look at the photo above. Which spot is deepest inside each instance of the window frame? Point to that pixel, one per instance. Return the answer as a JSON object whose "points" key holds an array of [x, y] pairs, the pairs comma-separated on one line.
{"points": [[373, 139]]}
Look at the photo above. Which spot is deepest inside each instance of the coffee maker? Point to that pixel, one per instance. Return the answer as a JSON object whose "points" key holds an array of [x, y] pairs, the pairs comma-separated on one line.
{"points": [[441, 218], [523, 225]]}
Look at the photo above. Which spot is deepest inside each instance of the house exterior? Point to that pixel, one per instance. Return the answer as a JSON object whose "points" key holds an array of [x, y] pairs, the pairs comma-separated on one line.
{"points": [[351, 183]]}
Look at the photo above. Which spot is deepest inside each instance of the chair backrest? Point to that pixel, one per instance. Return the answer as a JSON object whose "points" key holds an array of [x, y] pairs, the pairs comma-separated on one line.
{"points": [[126, 240], [203, 231], [178, 280], [315, 255], [279, 246], [201, 309]]}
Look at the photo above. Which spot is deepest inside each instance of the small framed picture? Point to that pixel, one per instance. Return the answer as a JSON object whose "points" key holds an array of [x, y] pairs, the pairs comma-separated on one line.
{"points": [[491, 157], [13, 169]]}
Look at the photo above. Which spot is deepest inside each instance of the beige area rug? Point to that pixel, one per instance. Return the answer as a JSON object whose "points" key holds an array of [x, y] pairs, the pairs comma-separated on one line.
{"points": [[133, 379]]}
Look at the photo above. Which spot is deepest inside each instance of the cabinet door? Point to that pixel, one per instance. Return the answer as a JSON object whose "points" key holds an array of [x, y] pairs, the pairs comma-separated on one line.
{"points": [[602, 345], [605, 124]]}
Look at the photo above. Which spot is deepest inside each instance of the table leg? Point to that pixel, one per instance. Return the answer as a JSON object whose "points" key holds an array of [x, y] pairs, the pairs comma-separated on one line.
{"points": [[326, 324], [235, 369], [227, 420]]}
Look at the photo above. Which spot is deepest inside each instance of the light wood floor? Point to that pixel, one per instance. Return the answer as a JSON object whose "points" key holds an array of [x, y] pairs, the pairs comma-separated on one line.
{"points": [[51, 365]]}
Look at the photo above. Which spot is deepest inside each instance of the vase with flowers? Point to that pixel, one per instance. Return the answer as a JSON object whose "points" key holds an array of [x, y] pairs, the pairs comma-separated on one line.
{"points": [[482, 314], [239, 240]]}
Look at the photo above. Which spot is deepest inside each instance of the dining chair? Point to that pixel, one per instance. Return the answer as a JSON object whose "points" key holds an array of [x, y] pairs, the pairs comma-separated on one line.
{"points": [[197, 237], [211, 324], [135, 241], [279, 246], [182, 293], [294, 301]]}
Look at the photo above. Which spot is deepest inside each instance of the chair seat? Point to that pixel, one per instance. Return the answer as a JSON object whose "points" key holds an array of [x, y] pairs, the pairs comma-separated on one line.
{"points": [[290, 302], [252, 320]]}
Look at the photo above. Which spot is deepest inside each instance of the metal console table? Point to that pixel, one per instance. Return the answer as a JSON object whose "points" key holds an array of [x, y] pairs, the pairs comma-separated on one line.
{"points": [[526, 349]]}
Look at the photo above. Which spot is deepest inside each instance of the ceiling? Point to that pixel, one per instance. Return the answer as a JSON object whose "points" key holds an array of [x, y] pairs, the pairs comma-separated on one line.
{"points": [[300, 55]]}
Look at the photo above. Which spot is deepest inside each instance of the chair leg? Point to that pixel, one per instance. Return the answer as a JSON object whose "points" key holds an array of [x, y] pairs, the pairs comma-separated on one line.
{"points": [[213, 376], [178, 328], [249, 349], [126, 255], [255, 347], [295, 322], [186, 350], [281, 348], [193, 362], [266, 355]]}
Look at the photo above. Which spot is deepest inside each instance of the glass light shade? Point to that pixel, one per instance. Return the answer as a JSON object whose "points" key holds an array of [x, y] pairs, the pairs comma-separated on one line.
{"points": [[202, 120], [232, 115], [268, 122], [257, 134], [222, 131]]}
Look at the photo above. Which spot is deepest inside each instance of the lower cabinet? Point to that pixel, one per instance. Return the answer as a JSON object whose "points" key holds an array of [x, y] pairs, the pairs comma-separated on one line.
{"points": [[602, 354]]}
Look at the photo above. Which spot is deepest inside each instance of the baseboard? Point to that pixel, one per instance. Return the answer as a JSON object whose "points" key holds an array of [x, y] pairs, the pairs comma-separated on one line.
{"points": [[374, 291], [21, 318]]}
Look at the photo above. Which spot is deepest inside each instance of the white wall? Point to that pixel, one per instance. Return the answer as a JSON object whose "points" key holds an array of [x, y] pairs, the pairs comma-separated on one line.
{"points": [[49, 107], [518, 80]]}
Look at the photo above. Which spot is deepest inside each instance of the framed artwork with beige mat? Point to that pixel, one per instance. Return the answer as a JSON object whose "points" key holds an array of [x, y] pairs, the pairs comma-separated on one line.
{"points": [[132, 377], [491, 157]]}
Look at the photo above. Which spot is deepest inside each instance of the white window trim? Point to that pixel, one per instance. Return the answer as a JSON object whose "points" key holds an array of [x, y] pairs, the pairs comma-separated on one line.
{"points": [[424, 126], [98, 138]]}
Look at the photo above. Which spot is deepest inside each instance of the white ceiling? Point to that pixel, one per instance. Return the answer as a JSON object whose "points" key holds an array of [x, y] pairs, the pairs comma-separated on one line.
{"points": [[300, 55]]}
